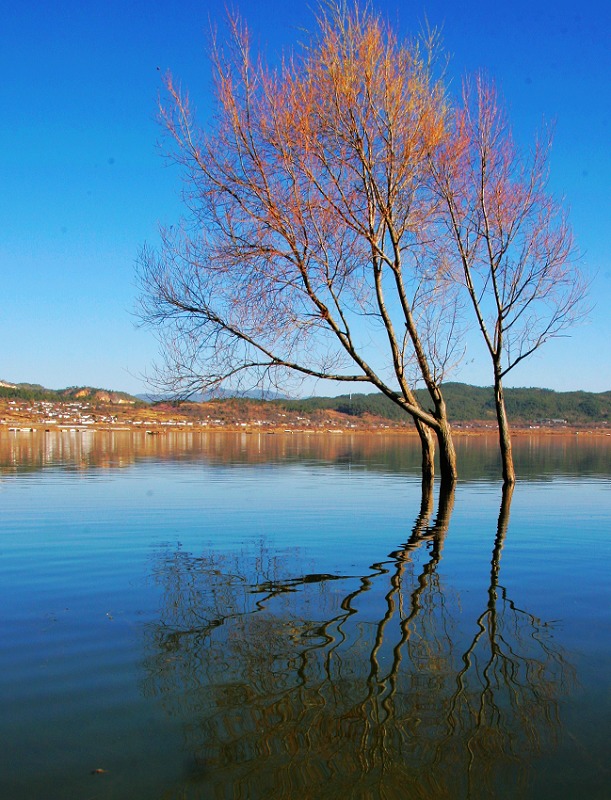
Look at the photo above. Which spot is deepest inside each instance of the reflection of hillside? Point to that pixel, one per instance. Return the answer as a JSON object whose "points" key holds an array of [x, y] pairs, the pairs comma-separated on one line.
{"points": [[71, 450], [31, 451], [340, 686], [478, 455]]}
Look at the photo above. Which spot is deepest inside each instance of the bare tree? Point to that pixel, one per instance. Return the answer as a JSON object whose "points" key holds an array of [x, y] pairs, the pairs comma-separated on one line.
{"points": [[509, 237], [307, 248]]}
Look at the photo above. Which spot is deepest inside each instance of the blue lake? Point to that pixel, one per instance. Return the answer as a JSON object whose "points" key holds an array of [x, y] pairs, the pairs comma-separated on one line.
{"points": [[277, 616]]}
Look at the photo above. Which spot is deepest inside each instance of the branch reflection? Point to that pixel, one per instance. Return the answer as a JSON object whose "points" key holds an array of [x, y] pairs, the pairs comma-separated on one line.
{"points": [[505, 706], [351, 686]]}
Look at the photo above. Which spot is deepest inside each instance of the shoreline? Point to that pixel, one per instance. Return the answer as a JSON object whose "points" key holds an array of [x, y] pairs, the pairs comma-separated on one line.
{"points": [[462, 430]]}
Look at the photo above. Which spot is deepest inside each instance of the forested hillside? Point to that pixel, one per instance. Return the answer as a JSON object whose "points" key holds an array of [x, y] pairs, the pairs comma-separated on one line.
{"points": [[35, 392], [467, 402]]}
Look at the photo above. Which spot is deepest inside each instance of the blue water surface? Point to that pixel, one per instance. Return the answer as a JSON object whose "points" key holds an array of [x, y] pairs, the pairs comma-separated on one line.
{"points": [[232, 616]]}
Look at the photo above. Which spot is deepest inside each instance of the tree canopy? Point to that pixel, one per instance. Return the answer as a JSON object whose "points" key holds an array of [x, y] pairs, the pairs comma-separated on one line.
{"points": [[341, 212]]}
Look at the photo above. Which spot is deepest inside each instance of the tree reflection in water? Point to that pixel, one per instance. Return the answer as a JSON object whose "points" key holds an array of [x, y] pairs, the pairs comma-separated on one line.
{"points": [[294, 686]]}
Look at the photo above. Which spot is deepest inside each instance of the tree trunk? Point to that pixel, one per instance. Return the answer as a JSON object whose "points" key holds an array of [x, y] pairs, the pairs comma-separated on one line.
{"points": [[447, 455], [427, 440], [509, 475]]}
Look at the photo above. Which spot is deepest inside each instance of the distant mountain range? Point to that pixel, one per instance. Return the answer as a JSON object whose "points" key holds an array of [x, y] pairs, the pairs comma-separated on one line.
{"points": [[219, 394], [464, 402]]}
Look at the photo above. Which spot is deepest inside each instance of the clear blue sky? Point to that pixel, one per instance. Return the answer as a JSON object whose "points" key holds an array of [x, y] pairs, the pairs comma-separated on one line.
{"points": [[83, 187]]}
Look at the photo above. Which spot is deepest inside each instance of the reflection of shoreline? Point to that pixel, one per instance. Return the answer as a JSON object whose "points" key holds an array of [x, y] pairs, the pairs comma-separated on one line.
{"points": [[538, 457]]}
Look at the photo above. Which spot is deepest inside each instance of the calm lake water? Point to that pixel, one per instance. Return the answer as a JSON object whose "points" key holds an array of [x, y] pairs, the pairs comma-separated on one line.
{"points": [[266, 616]]}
